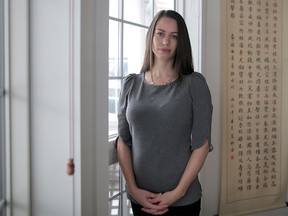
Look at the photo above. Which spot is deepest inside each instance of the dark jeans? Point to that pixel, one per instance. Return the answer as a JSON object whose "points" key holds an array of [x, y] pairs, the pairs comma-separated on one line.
{"points": [[189, 210]]}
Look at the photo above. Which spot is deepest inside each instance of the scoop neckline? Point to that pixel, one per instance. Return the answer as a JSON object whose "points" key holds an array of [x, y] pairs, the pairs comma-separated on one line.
{"points": [[157, 85]]}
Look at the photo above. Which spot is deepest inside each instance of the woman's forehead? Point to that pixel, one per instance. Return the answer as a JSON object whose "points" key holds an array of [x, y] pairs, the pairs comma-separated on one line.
{"points": [[167, 24]]}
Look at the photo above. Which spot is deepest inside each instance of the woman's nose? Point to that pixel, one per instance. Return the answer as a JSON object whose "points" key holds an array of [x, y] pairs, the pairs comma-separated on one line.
{"points": [[165, 41]]}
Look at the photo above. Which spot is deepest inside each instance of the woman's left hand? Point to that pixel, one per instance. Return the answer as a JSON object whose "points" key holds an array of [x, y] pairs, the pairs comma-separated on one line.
{"points": [[167, 198], [193, 167]]}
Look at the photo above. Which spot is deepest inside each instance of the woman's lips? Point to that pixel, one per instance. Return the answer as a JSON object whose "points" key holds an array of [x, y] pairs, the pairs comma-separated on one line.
{"points": [[165, 50]]}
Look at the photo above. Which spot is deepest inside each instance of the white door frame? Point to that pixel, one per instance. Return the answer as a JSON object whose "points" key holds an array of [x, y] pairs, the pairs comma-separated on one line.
{"points": [[94, 107]]}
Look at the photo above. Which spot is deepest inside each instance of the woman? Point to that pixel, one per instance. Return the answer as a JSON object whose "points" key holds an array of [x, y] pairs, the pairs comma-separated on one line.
{"points": [[164, 119]]}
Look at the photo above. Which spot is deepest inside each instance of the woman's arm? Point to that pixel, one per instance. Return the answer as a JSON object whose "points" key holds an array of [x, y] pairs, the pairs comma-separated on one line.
{"points": [[125, 161], [140, 195], [192, 169]]}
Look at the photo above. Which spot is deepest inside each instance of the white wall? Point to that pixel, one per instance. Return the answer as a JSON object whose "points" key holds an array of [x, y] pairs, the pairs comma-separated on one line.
{"points": [[51, 187], [211, 68]]}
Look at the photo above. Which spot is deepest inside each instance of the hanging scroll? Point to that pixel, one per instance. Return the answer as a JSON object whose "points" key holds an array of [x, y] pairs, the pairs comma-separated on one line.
{"points": [[252, 152]]}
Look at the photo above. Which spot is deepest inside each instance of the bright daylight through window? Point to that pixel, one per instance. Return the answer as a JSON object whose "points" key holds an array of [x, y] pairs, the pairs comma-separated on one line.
{"points": [[128, 24]]}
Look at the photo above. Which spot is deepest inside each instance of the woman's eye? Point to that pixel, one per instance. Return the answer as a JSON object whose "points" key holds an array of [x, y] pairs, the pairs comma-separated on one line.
{"points": [[174, 37], [161, 34]]}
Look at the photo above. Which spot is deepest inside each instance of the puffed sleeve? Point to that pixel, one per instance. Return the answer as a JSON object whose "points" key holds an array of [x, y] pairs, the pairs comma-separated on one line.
{"points": [[202, 111], [123, 126]]}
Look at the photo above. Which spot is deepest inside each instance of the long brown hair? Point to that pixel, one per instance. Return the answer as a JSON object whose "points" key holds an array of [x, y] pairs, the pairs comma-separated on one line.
{"points": [[183, 61]]}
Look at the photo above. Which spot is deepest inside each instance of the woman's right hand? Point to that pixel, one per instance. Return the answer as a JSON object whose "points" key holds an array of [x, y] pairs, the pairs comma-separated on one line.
{"points": [[143, 197]]}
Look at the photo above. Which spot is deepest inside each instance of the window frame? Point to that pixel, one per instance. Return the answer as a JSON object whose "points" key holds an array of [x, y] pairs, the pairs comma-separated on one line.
{"points": [[2, 115], [16, 117]]}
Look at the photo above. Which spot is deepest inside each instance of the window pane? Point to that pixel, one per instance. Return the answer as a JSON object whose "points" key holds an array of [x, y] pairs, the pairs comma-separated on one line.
{"points": [[138, 11], [163, 5], [114, 207], [114, 91], [114, 9], [134, 46], [114, 181], [114, 54], [127, 210]]}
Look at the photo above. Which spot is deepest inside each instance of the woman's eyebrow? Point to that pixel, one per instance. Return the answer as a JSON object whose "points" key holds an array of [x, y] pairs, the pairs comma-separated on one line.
{"points": [[159, 29]]}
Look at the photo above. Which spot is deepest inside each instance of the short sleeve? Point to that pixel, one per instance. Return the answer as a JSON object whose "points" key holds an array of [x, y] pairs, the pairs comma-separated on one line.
{"points": [[202, 111], [123, 126]]}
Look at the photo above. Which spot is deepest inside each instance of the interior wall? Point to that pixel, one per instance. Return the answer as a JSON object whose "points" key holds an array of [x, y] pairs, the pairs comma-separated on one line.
{"points": [[211, 67], [51, 187]]}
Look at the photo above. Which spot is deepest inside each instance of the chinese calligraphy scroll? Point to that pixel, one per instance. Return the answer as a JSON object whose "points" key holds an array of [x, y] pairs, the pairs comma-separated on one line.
{"points": [[253, 70]]}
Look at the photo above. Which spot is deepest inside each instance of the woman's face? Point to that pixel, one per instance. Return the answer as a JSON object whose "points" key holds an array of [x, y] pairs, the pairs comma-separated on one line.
{"points": [[165, 39]]}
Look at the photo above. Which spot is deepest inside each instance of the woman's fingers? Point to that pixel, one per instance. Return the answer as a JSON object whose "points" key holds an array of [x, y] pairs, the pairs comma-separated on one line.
{"points": [[156, 210]]}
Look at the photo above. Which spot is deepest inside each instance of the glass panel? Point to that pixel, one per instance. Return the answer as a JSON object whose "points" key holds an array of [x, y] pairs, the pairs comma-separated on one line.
{"points": [[163, 5], [114, 8], [134, 46], [114, 91], [194, 28], [127, 210], [114, 54], [138, 11], [114, 207], [114, 180]]}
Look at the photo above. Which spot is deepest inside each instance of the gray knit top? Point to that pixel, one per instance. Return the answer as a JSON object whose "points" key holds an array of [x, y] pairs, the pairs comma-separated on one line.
{"points": [[163, 124]]}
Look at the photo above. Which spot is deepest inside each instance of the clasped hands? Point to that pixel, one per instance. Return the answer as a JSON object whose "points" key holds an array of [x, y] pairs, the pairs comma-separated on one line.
{"points": [[155, 204]]}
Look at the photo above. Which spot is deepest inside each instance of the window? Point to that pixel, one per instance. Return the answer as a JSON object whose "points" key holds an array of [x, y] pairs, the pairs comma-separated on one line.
{"points": [[128, 24], [2, 116]]}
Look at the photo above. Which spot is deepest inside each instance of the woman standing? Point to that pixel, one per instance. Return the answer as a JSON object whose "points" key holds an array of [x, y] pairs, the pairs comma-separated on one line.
{"points": [[164, 119]]}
